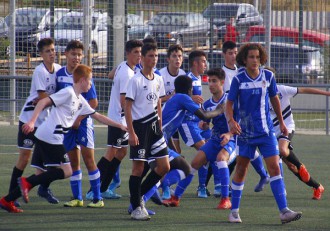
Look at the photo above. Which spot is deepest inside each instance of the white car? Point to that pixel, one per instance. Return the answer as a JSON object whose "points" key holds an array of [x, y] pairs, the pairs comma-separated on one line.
{"points": [[70, 27]]}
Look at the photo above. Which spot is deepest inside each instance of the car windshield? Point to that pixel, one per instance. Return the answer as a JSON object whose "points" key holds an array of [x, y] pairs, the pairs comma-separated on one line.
{"points": [[27, 17], [73, 23], [169, 20], [221, 11]]}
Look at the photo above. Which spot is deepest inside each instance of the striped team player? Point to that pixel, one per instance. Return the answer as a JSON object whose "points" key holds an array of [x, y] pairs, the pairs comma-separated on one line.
{"points": [[285, 94]]}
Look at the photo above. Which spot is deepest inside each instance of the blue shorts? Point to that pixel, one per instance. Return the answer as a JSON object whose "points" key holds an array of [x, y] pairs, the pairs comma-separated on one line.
{"points": [[267, 146], [213, 147], [83, 136], [190, 133]]}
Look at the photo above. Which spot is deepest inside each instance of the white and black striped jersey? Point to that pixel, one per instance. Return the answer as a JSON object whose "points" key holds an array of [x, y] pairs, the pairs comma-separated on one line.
{"points": [[67, 106], [285, 93], [145, 93], [122, 76], [42, 80], [169, 79], [230, 73]]}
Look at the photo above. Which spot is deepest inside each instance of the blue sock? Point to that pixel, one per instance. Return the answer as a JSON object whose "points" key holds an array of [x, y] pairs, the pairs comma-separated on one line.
{"points": [[202, 175], [224, 177], [75, 182], [216, 175], [115, 180], [173, 177], [259, 166], [149, 194], [278, 188], [182, 185], [236, 194], [94, 180], [280, 162]]}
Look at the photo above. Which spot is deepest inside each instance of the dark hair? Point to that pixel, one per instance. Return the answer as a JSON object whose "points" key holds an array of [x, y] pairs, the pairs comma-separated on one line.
{"points": [[228, 45], [172, 48], [147, 47], [182, 84], [131, 44], [244, 51], [74, 44], [44, 42], [218, 72], [195, 54], [149, 39]]}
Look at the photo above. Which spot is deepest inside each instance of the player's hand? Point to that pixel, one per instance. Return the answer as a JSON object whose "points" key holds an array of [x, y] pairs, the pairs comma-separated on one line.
{"points": [[133, 140], [27, 128], [284, 129], [225, 138], [124, 128], [234, 127], [197, 99]]}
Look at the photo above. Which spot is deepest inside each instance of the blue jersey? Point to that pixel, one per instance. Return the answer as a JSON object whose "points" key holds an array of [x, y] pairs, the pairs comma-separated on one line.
{"points": [[253, 102], [196, 90], [174, 112], [220, 125], [64, 79]]}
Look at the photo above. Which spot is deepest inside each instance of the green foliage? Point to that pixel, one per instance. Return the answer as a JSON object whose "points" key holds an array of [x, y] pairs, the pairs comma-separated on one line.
{"points": [[4, 43]]}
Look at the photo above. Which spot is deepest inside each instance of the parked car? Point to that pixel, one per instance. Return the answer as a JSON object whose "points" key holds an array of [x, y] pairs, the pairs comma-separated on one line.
{"points": [[286, 60], [30, 21], [245, 15], [288, 35], [70, 27], [183, 28], [136, 28]]}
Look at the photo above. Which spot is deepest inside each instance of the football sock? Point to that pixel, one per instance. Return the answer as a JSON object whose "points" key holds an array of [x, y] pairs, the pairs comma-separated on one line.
{"points": [[112, 167], [13, 181], [151, 180], [280, 163], [94, 180], [149, 194], [46, 177], [115, 180], [259, 166], [236, 194], [292, 158], [223, 172], [135, 191], [202, 175], [311, 183], [173, 177], [75, 182], [216, 175], [278, 188], [183, 184]]}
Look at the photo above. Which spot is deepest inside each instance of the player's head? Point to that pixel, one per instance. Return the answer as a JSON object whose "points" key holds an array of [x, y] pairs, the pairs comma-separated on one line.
{"points": [[175, 55], [183, 84], [217, 72], [149, 55], [46, 49], [133, 51], [131, 44], [82, 74], [149, 39], [74, 53], [228, 45], [197, 61], [44, 42], [229, 52], [216, 80], [244, 52]]}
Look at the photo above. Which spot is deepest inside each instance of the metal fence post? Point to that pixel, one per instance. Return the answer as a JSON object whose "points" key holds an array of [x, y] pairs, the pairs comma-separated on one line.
{"points": [[12, 67]]}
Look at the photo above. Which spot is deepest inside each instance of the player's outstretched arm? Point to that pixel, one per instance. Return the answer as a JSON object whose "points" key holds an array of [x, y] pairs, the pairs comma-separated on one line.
{"points": [[314, 91], [205, 115], [105, 120]]}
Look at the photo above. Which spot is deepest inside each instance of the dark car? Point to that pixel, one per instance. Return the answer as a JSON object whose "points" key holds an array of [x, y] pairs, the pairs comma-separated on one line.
{"points": [[183, 28], [30, 22], [245, 15]]}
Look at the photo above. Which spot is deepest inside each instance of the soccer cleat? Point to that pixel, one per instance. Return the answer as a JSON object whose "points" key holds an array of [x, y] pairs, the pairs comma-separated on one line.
{"points": [[110, 195], [74, 203], [9, 206], [166, 193], [96, 204], [304, 174], [217, 191], [25, 188], [318, 192], [150, 212], [201, 192], [156, 198], [114, 184], [17, 204], [260, 186], [89, 196], [234, 217], [140, 214], [225, 203], [289, 216], [47, 194], [174, 201]]}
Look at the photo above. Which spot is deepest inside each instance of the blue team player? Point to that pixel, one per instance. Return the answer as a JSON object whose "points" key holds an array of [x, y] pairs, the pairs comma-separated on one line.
{"points": [[81, 136], [253, 87]]}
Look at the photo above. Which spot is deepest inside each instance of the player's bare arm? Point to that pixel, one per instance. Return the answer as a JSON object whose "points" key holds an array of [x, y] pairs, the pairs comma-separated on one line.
{"points": [[277, 109]]}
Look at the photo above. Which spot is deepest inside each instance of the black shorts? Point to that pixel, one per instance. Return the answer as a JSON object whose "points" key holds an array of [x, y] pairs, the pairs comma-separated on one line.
{"points": [[48, 155], [117, 138], [25, 141], [151, 142]]}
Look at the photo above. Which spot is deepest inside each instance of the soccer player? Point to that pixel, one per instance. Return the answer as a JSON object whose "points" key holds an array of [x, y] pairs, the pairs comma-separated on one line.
{"points": [[67, 104], [117, 139], [253, 87], [43, 84], [218, 148], [81, 137], [285, 93], [143, 117]]}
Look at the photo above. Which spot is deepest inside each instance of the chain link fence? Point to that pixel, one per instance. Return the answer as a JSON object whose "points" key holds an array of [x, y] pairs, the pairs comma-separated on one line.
{"points": [[296, 34]]}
